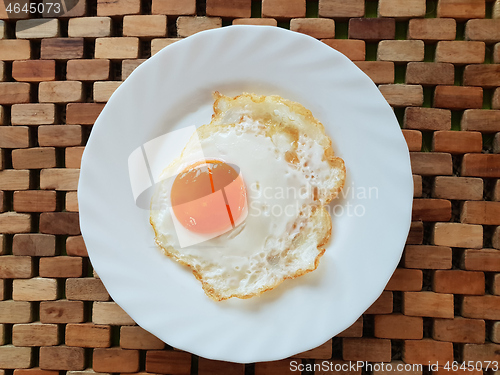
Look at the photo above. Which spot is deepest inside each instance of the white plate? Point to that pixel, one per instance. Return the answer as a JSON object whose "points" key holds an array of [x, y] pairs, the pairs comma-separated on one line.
{"points": [[173, 90]]}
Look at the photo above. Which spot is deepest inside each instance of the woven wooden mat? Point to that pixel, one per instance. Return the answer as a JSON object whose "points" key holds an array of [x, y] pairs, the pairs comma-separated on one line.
{"points": [[437, 62]]}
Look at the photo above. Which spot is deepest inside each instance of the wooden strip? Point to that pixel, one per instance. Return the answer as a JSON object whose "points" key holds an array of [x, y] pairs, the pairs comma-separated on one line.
{"points": [[14, 49], [399, 95], [315, 27], [458, 97], [379, 71], [256, 21], [16, 267], [413, 139], [35, 371], [432, 29], [134, 337], [495, 332], [393, 8], [59, 179], [83, 113], [34, 158], [399, 327], [481, 212], [428, 304], [61, 311], [73, 157], [35, 334], [118, 7], [485, 353], [15, 312], [481, 165], [460, 52], [416, 234], [431, 210], [427, 257], [128, 66], [372, 29], [459, 330], [62, 358], [400, 50], [145, 25], [481, 307], [35, 289], [367, 349], [60, 92], [229, 8], [117, 48], [458, 282], [12, 357], [427, 350], [405, 280], [61, 267], [87, 70], [156, 46], [431, 164], [457, 142], [34, 70], [86, 289], [76, 247], [88, 335], [111, 313], [14, 92], [14, 137], [461, 9], [34, 201], [174, 7], [187, 26], [383, 304], [354, 49], [161, 361], [427, 118], [59, 223], [12, 222], [458, 235], [486, 30], [62, 48], [482, 260], [341, 9], [458, 188], [59, 135], [34, 244], [355, 330], [483, 120], [417, 186], [104, 90], [89, 27], [426, 73], [482, 75], [37, 28], [33, 114]]}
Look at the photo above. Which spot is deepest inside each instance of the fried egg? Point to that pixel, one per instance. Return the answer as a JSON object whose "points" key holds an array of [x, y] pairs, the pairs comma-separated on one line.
{"points": [[250, 213]]}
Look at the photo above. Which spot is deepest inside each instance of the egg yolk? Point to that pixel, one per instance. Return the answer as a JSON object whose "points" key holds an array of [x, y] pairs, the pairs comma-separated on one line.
{"points": [[208, 197]]}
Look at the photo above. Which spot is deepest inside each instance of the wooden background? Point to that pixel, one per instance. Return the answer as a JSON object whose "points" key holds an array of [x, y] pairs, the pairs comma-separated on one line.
{"points": [[437, 62]]}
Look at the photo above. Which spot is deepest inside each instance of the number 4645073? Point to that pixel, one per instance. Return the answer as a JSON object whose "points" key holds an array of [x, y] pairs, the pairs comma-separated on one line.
{"points": [[33, 8]]}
